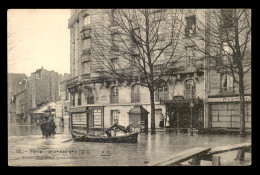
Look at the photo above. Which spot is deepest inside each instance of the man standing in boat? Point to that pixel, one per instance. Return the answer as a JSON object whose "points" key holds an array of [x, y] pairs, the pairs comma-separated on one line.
{"points": [[116, 126]]}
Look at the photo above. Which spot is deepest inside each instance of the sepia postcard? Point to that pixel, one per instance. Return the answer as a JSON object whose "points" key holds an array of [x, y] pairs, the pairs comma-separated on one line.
{"points": [[129, 87]]}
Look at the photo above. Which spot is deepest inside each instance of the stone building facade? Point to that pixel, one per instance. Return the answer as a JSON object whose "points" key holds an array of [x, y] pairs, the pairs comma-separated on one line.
{"points": [[222, 107], [13, 88], [110, 101]]}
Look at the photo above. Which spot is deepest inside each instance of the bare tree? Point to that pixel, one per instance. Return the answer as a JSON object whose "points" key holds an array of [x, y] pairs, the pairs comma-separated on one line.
{"points": [[227, 37], [141, 39]]}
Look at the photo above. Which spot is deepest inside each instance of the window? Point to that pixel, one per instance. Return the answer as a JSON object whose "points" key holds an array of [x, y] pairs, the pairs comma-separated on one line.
{"points": [[190, 55], [227, 18], [161, 93], [86, 67], [73, 99], [86, 20], [137, 35], [114, 116], [227, 83], [190, 29], [79, 98], [190, 89], [135, 94], [38, 74], [114, 95], [113, 23], [89, 96], [114, 46], [227, 51], [114, 63], [66, 95], [97, 117]]}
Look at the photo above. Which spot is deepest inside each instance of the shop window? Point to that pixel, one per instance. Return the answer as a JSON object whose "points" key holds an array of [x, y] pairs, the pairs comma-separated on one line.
{"points": [[227, 83], [97, 117], [114, 116], [190, 89], [190, 29], [114, 98], [162, 93], [135, 94]]}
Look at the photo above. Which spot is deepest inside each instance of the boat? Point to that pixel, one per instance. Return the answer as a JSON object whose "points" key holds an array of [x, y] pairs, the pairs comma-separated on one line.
{"points": [[127, 138]]}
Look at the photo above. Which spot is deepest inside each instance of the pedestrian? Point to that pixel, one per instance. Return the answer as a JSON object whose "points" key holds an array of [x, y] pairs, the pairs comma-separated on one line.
{"points": [[161, 124], [43, 125], [53, 126], [167, 121]]}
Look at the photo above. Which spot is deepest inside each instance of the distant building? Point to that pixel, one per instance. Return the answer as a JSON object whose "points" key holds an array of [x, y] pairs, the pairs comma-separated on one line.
{"points": [[14, 80], [44, 87]]}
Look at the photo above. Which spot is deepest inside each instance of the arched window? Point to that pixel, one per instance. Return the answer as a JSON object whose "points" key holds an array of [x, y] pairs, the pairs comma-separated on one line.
{"points": [[79, 98], [162, 93], [114, 95], [135, 94], [89, 95], [190, 89]]}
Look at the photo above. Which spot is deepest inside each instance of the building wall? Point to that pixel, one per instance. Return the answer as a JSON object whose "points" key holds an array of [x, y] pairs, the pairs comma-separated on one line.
{"points": [[45, 88], [102, 93]]}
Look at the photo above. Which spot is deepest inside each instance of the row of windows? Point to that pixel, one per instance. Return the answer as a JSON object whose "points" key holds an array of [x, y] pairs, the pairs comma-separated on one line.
{"points": [[162, 93]]}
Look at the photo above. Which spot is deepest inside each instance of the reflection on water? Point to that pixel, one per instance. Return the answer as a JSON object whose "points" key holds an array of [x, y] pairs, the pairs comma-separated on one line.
{"points": [[27, 147]]}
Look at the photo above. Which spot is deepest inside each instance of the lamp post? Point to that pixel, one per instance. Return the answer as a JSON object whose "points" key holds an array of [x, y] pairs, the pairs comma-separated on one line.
{"points": [[191, 123]]}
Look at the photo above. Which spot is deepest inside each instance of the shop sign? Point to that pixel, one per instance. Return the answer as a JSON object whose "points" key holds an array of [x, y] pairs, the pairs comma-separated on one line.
{"points": [[228, 99], [78, 109]]}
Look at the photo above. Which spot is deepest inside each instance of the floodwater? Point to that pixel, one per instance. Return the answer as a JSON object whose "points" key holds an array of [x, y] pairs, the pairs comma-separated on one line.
{"points": [[27, 147]]}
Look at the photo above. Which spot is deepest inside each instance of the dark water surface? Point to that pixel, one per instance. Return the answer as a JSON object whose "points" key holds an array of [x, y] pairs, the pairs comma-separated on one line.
{"points": [[27, 147]]}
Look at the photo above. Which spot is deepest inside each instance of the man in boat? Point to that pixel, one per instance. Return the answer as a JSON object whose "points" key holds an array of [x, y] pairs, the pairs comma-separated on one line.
{"points": [[116, 127]]}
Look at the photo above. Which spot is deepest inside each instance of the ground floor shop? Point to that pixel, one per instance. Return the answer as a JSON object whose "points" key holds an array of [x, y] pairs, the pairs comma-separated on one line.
{"points": [[224, 112], [99, 118], [185, 113]]}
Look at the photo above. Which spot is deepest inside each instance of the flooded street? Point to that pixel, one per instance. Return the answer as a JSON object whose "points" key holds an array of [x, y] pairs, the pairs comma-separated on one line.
{"points": [[27, 147]]}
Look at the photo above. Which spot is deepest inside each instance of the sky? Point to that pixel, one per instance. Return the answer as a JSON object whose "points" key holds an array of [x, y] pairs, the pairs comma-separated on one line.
{"points": [[38, 37]]}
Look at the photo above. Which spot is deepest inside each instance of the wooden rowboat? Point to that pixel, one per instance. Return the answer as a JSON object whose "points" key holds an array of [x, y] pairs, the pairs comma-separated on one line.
{"points": [[81, 137]]}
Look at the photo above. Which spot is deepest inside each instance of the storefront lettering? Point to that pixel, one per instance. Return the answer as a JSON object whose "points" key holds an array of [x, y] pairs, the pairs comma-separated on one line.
{"points": [[71, 110], [228, 99]]}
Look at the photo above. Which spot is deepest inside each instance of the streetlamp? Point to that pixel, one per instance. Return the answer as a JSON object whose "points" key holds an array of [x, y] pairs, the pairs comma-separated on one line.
{"points": [[191, 123]]}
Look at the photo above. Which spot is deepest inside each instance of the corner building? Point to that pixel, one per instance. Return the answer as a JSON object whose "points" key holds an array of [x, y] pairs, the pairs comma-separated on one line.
{"points": [[109, 101]]}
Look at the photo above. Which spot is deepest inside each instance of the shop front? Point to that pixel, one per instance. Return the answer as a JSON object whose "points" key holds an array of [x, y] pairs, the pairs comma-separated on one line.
{"points": [[224, 112], [184, 113], [87, 119]]}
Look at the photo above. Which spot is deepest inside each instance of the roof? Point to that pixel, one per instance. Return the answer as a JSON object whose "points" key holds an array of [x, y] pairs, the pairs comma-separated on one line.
{"points": [[41, 108], [138, 109]]}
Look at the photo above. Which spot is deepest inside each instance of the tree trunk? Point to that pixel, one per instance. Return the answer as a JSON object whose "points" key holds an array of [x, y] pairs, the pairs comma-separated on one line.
{"points": [[242, 105], [152, 112]]}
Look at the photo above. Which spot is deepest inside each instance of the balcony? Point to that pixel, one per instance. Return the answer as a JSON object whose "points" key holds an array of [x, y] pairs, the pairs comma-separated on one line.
{"points": [[86, 32], [72, 82]]}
